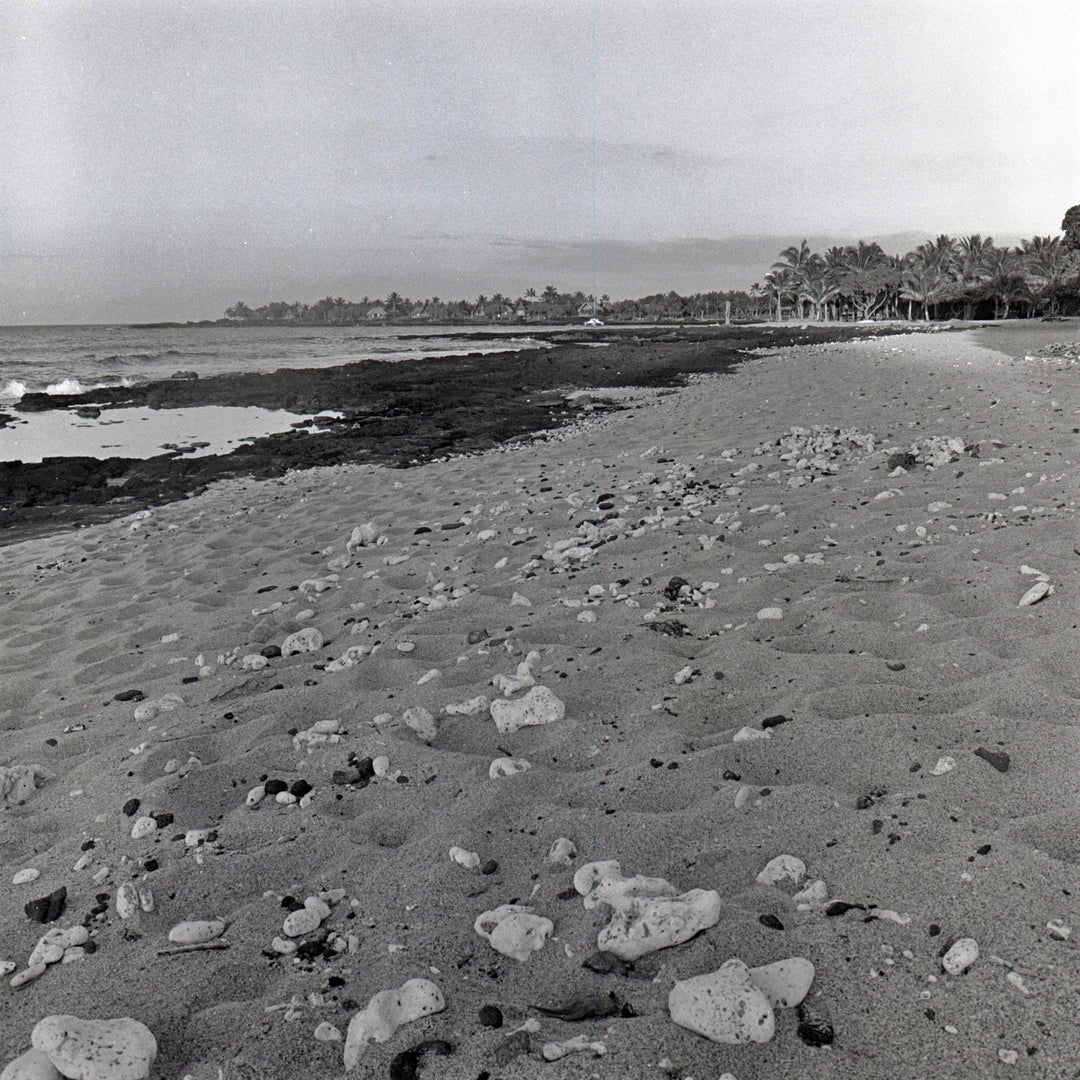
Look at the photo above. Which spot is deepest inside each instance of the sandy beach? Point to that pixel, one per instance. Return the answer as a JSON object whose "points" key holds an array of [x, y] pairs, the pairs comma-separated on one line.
{"points": [[781, 610]]}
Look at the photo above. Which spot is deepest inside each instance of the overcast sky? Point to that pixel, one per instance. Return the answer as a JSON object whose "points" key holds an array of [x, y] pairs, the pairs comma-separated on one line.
{"points": [[160, 159]]}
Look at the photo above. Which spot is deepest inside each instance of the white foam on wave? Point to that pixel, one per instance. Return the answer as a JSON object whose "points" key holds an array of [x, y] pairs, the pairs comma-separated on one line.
{"points": [[13, 389], [66, 386]]}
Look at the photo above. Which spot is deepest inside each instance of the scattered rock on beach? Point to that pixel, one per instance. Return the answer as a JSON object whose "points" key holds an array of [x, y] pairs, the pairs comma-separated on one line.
{"points": [[723, 1005], [997, 758], [538, 706], [961, 956], [387, 1011], [49, 908], [514, 930], [19, 782], [122, 1049]]}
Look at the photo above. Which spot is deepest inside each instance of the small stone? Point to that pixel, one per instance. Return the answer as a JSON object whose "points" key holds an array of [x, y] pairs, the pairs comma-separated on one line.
{"points": [[19, 782], [1057, 928], [749, 734], [514, 930], [28, 974], [1037, 592], [468, 859], [196, 931], [724, 1006], [538, 706], [491, 1016], [130, 807], [127, 900], [782, 868], [960, 957], [255, 795], [387, 1011], [307, 640], [786, 982], [24, 877], [49, 908], [121, 1049], [143, 827], [326, 1032], [997, 758], [562, 852], [944, 765], [770, 613], [507, 766], [421, 723], [33, 1065], [300, 922], [815, 1028]]}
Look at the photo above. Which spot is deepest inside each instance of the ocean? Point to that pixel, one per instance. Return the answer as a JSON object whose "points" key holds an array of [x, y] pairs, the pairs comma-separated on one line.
{"points": [[75, 359]]}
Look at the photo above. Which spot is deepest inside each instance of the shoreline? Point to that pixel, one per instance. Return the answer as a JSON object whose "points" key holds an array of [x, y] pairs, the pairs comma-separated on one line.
{"points": [[393, 414]]}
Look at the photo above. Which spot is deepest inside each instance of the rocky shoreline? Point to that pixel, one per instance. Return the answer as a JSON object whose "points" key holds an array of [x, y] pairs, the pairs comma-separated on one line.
{"points": [[396, 414]]}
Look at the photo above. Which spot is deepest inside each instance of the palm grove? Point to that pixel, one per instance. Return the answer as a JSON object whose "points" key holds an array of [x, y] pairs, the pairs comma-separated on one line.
{"points": [[968, 277]]}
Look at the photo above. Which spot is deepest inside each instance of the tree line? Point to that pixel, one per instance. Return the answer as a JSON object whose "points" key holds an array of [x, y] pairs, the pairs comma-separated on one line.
{"points": [[969, 277], [550, 305]]}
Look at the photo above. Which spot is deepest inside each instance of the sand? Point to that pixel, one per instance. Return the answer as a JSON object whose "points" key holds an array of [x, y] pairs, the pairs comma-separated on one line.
{"points": [[900, 643]]}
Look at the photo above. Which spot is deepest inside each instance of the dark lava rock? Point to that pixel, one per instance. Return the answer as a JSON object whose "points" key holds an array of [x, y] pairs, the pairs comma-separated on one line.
{"points": [[46, 909], [275, 787], [300, 788], [902, 460], [775, 721], [129, 695], [130, 808], [588, 1006], [406, 1065], [771, 921], [491, 1016], [606, 963], [671, 589], [670, 627], [998, 758], [271, 652], [815, 1028], [838, 907], [489, 867], [476, 636], [163, 818], [729, 775]]}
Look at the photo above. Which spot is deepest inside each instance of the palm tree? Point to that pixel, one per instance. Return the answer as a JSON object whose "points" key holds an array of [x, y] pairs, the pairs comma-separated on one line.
{"points": [[793, 261], [1005, 279], [1048, 264], [973, 254]]}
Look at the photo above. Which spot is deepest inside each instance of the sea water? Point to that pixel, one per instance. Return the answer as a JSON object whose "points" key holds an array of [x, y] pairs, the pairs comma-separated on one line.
{"points": [[76, 359]]}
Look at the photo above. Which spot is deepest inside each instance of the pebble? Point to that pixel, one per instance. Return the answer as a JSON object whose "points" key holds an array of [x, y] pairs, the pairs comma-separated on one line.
{"points": [[944, 765], [1057, 928], [307, 640], [196, 931], [387, 1011], [507, 766], [538, 706], [961, 956], [490, 1016], [19, 782], [33, 1065], [554, 1051], [122, 1049], [724, 1005], [646, 913], [28, 974], [127, 900], [1036, 593], [997, 758], [468, 859], [326, 1032], [49, 908], [749, 734], [786, 982], [770, 613], [514, 930], [143, 827], [782, 868], [419, 721], [562, 852], [300, 922], [24, 877]]}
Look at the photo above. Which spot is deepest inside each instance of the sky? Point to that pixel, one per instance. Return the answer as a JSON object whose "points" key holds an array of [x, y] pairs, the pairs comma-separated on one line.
{"points": [[161, 159]]}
